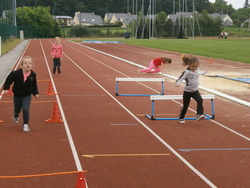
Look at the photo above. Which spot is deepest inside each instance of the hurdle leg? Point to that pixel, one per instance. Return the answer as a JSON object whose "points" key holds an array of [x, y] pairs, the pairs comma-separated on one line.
{"points": [[162, 88], [212, 104], [116, 88]]}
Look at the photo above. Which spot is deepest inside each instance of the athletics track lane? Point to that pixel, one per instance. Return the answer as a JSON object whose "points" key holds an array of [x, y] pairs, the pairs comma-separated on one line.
{"points": [[100, 126]]}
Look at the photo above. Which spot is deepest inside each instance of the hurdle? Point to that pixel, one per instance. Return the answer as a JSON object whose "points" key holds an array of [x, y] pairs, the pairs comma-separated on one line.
{"points": [[139, 80], [178, 97]]}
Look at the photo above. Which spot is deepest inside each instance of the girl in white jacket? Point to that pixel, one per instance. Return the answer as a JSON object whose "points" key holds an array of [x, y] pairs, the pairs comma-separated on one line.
{"points": [[191, 77]]}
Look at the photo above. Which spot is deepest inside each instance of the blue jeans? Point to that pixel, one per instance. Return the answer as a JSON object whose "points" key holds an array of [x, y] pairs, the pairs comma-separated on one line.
{"points": [[22, 103]]}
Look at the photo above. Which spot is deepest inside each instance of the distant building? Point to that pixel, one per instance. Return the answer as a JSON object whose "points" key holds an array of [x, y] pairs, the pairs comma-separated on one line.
{"points": [[64, 20], [226, 20], [124, 18], [87, 19]]}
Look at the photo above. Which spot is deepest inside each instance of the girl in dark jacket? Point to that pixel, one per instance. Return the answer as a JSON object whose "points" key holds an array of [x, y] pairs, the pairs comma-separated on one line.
{"points": [[25, 85]]}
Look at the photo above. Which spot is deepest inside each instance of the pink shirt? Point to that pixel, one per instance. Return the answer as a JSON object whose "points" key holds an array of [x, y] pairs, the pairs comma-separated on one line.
{"points": [[57, 50], [25, 76]]}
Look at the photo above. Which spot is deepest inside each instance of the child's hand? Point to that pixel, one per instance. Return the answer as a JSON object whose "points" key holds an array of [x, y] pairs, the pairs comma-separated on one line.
{"points": [[5, 91]]}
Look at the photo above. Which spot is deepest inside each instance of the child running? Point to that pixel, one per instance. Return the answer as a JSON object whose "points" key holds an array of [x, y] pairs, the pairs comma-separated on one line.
{"points": [[154, 66], [57, 54], [191, 77], [25, 84]]}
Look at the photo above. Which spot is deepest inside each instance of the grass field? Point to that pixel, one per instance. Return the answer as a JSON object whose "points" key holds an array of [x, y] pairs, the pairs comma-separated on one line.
{"points": [[229, 49]]}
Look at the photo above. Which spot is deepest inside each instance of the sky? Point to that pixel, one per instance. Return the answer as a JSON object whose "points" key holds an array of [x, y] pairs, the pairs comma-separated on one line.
{"points": [[235, 3]]}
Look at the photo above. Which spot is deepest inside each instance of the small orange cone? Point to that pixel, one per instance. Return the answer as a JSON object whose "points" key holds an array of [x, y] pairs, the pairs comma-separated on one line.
{"points": [[50, 89], [81, 181], [56, 118], [210, 61], [1, 121]]}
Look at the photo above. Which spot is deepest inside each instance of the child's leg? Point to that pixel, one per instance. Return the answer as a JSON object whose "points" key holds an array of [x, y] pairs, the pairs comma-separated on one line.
{"points": [[197, 97], [151, 66], [54, 65], [157, 69], [26, 108], [59, 66], [17, 106], [186, 101]]}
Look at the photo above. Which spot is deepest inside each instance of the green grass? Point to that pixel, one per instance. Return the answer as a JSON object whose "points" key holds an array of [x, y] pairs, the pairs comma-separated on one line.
{"points": [[9, 45], [229, 49]]}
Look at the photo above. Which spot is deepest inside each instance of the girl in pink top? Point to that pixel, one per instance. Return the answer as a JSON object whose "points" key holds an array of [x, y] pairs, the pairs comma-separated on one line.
{"points": [[57, 54], [155, 64]]}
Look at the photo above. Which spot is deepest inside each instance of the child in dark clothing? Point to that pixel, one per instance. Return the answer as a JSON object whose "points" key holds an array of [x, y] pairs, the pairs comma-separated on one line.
{"points": [[25, 84]]}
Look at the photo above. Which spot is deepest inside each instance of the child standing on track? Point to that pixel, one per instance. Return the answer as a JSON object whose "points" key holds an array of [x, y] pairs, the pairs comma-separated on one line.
{"points": [[155, 64], [25, 84], [57, 54], [191, 76]]}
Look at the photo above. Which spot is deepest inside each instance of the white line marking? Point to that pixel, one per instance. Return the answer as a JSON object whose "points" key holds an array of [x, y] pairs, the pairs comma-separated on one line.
{"points": [[71, 142], [146, 127]]}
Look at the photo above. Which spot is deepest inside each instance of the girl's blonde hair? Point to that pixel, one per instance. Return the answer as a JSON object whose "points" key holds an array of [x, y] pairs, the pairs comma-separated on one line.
{"points": [[188, 60], [57, 39], [167, 60], [27, 57]]}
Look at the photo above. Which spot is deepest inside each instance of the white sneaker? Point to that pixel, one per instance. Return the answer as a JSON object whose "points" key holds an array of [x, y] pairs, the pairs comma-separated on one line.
{"points": [[16, 120], [182, 120], [200, 117], [26, 128]]}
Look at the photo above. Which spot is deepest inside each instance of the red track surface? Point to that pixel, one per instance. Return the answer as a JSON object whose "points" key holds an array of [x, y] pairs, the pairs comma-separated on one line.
{"points": [[96, 122]]}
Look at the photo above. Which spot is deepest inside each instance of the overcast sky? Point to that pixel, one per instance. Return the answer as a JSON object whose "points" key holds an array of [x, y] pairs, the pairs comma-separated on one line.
{"points": [[236, 3]]}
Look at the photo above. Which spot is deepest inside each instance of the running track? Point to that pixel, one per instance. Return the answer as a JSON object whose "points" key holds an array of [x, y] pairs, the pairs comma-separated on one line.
{"points": [[126, 148]]}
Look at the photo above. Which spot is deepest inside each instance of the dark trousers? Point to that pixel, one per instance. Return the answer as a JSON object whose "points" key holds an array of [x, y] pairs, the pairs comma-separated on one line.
{"points": [[186, 101], [22, 103], [57, 65]]}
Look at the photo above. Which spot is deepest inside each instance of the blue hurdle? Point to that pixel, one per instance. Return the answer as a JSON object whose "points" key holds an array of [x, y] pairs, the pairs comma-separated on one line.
{"points": [[139, 80], [176, 97]]}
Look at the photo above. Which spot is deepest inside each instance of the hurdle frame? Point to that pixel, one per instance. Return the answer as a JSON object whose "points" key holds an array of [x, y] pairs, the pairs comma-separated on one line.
{"points": [[139, 80], [176, 97]]}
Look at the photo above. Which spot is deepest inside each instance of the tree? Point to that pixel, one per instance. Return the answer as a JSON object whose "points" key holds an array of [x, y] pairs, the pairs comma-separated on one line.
{"points": [[246, 4], [40, 19]]}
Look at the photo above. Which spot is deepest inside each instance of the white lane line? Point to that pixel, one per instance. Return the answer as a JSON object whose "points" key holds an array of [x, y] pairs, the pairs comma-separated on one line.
{"points": [[245, 103], [205, 179], [71, 142]]}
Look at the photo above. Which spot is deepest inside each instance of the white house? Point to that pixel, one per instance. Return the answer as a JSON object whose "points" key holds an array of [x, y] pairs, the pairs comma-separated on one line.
{"points": [[67, 20], [124, 18]]}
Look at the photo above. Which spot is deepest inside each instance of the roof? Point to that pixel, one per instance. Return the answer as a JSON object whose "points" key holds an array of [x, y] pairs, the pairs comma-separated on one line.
{"points": [[89, 18]]}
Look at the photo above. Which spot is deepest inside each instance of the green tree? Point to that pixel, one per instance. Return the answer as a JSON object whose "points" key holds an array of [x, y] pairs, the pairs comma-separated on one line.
{"points": [[40, 19]]}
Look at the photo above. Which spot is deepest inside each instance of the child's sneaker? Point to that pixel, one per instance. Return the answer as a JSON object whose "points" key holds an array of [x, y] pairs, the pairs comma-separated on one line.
{"points": [[26, 128], [200, 117], [59, 74], [54, 74], [182, 120], [16, 120]]}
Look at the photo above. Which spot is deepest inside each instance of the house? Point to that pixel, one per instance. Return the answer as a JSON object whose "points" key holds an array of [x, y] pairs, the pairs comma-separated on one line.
{"points": [[124, 18], [87, 19], [179, 15], [226, 20], [64, 20]]}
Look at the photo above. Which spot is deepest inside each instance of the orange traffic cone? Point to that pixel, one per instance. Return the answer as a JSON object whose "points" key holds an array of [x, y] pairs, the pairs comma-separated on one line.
{"points": [[81, 181], [1, 121], [50, 89], [56, 118], [210, 61]]}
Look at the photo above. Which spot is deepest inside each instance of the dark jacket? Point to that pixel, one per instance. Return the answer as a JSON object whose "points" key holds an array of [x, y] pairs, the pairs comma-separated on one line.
{"points": [[21, 88]]}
